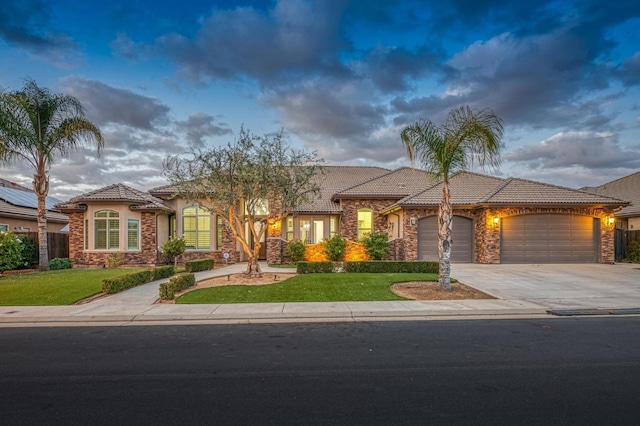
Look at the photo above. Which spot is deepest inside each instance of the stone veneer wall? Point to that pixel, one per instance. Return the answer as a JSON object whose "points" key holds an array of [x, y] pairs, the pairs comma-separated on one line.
{"points": [[395, 250], [349, 218], [487, 236]]}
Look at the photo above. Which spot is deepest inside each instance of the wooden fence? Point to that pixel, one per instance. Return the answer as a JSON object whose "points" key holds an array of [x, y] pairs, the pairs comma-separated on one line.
{"points": [[623, 240], [57, 245]]}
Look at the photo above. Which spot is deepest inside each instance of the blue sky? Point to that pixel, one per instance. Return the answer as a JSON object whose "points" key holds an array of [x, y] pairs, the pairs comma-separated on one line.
{"points": [[340, 77]]}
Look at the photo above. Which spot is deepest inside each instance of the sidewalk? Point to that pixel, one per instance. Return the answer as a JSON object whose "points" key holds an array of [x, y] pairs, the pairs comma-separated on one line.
{"points": [[136, 307]]}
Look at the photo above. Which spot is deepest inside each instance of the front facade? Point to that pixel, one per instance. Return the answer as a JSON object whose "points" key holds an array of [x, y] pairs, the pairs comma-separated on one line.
{"points": [[495, 220]]}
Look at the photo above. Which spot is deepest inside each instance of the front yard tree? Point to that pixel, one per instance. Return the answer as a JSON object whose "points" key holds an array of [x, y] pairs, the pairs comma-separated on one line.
{"points": [[36, 126], [465, 136], [252, 183]]}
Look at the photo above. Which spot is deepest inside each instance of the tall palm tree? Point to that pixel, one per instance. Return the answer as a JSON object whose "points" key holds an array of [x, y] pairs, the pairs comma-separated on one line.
{"points": [[464, 137], [36, 126]]}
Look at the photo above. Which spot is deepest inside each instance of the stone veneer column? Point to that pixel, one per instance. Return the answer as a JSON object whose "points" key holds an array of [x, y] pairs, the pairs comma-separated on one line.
{"points": [[487, 237], [76, 237]]}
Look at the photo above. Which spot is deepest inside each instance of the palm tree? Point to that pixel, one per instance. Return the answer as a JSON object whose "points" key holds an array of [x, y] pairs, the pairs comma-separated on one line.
{"points": [[36, 126], [464, 137]]}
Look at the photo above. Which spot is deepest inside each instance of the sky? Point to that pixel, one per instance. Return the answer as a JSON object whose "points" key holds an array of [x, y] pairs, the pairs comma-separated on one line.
{"points": [[341, 78]]}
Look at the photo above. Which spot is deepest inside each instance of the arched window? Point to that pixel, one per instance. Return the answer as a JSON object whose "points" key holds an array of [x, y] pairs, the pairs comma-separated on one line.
{"points": [[196, 227], [107, 230], [365, 222]]}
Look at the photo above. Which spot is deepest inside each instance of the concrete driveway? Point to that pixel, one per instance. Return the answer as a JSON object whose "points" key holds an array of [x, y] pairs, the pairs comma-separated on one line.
{"points": [[557, 286]]}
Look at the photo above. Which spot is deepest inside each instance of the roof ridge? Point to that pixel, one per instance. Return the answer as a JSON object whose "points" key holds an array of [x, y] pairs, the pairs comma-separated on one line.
{"points": [[497, 189]]}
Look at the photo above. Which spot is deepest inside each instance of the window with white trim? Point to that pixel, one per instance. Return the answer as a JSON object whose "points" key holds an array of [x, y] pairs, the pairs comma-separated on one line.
{"points": [[107, 230], [133, 234], [196, 227], [365, 223]]}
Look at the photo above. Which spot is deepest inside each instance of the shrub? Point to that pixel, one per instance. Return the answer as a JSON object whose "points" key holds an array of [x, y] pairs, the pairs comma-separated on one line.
{"points": [[174, 285], [199, 265], [28, 251], [10, 252], [123, 282], [335, 248], [173, 248], [376, 244], [315, 253], [389, 266], [114, 260], [60, 263], [163, 272], [314, 267], [633, 254], [295, 251]]}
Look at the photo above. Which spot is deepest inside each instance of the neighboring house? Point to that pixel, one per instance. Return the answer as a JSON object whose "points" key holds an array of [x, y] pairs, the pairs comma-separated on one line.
{"points": [[19, 210], [625, 188], [495, 220]]}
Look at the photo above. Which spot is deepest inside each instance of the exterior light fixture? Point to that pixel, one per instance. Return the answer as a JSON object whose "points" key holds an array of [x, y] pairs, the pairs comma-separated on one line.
{"points": [[611, 221], [496, 221], [412, 220]]}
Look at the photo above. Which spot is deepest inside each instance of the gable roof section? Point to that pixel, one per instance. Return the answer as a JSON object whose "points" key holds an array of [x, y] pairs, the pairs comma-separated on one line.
{"points": [[626, 188], [522, 191], [467, 188], [474, 190], [117, 193], [394, 184], [334, 179]]}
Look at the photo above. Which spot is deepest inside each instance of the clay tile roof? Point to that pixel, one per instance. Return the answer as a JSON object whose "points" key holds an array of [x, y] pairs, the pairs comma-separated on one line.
{"points": [[334, 179], [121, 193], [467, 188], [522, 191], [625, 188], [395, 184]]}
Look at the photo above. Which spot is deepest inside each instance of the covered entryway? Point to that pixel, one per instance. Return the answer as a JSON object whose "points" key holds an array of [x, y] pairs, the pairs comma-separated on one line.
{"points": [[461, 244], [549, 238]]}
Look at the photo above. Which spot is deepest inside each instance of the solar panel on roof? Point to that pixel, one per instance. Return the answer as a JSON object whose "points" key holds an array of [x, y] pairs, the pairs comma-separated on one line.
{"points": [[24, 198]]}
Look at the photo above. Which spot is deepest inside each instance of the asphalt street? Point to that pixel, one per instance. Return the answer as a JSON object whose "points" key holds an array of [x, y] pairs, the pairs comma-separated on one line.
{"points": [[519, 371]]}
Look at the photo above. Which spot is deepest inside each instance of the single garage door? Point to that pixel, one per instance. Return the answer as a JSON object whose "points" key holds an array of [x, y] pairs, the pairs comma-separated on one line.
{"points": [[549, 238], [461, 239]]}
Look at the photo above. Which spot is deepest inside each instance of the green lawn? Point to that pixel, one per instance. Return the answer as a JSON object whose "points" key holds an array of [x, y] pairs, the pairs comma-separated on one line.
{"points": [[63, 287], [309, 288]]}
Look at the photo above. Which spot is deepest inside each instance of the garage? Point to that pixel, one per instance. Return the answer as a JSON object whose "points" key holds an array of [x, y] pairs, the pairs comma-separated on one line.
{"points": [[549, 238], [461, 239]]}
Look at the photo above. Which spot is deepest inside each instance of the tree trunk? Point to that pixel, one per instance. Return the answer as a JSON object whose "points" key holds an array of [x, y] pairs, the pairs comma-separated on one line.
{"points": [[444, 237], [41, 188]]}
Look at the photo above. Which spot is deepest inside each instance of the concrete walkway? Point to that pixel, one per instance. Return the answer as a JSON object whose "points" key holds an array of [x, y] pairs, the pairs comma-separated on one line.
{"points": [[521, 290]]}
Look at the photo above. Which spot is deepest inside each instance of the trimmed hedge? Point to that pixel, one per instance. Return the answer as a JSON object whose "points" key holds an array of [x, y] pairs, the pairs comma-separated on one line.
{"points": [[199, 265], [376, 266], [391, 266], [60, 263], [314, 267], [123, 282], [169, 289], [163, 272]]}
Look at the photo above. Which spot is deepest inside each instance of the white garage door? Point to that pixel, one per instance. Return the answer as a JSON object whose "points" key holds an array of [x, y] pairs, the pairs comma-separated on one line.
{"points": [[461, 239], [549, 238]]}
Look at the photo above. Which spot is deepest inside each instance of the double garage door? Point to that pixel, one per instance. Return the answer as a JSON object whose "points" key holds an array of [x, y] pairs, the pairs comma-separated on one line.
{"points": [[461, 239], [532, 238], [549, 238]]}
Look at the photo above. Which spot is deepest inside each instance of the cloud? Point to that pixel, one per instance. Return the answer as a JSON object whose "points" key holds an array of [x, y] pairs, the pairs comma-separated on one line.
{"points": [[27, 24], [295, 37], [199, 126], [105, 104], [576, 149]]}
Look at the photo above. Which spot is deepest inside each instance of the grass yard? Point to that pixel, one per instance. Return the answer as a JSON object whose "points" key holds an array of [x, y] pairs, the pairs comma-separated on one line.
{"points": [[64, 287], [309, 288]]}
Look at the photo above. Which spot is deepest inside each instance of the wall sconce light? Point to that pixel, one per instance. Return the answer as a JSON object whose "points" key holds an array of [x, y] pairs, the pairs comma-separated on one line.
{"points": [[412, 220], [390, 227], [496, 222], [611, 221]]}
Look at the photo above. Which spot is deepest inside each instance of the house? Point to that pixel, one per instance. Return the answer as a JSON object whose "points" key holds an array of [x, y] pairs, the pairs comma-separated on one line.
{"points": [[625, 188], [19, 210], [496, 220]]}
